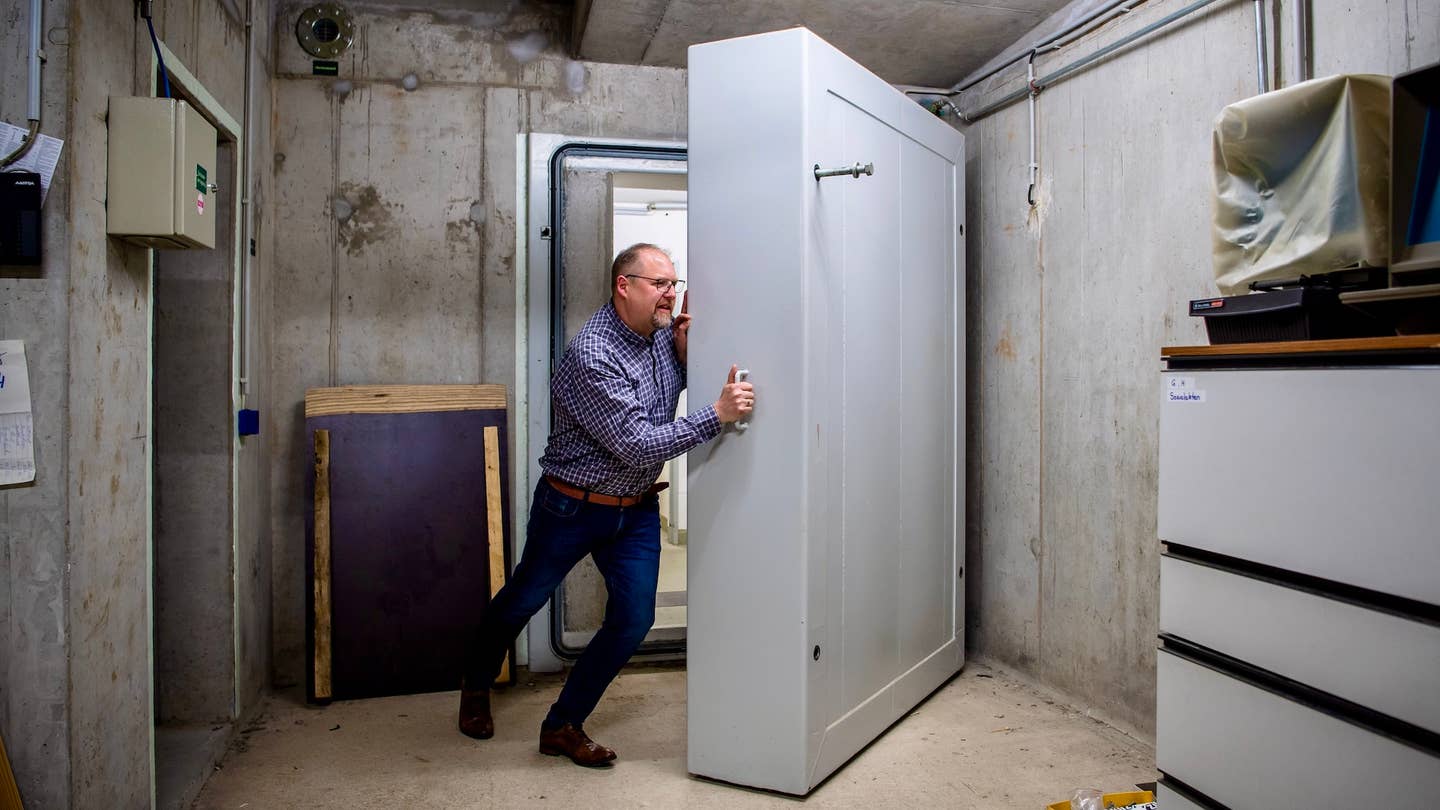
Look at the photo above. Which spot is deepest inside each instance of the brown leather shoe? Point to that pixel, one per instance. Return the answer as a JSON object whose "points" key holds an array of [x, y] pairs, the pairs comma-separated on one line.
{"points": [[572, 742], [475, 720]]}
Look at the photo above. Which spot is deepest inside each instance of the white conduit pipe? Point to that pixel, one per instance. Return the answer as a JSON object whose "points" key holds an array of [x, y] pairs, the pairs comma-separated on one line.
{"points": [[247, 195], [1045, 81], [1034, 86], [1055, 41], [1034, 167], [1260, 45], [1109, 14], [1049, 43], [1300, 16], [36, 57]]}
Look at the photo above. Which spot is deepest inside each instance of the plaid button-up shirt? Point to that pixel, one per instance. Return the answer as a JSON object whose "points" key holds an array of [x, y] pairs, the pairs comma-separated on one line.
{"points": [[613, 398]]}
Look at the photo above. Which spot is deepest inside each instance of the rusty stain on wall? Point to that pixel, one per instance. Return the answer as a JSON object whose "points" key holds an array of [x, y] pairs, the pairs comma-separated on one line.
{"points": [[372, 220], [458, 233], [1006, 345]]}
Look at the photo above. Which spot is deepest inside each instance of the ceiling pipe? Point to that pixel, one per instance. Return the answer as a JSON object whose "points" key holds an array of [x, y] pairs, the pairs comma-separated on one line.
{"points": [[1057, 40], [1046, 81], [1109, 14], [1051, 42]]}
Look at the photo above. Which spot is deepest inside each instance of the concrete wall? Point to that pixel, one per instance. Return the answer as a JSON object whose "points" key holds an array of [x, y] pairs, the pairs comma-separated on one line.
{"points": [[34, 635], [1070, 304], [254, 544], [395, 223], [75, 626]]}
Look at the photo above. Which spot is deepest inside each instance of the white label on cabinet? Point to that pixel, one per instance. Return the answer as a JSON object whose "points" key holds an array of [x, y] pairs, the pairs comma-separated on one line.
{"points": [[1182, 389]]}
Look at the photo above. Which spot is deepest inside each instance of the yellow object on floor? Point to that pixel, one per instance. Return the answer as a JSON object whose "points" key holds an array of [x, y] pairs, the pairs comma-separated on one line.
{"points": [[1113, 800], [9, 791]]}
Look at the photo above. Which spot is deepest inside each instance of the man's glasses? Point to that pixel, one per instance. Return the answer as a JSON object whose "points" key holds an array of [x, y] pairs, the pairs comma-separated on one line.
{"points": [[664, 285]]}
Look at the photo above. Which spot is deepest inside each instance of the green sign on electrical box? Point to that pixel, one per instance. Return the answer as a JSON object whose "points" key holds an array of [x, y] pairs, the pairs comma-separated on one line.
{"points": [[200, 184]]}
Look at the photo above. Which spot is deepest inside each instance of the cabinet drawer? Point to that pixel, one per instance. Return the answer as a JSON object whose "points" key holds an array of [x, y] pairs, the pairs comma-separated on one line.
{"points": [[1328, 472], [1171, 799], [1245, 746], [1378, 660]]}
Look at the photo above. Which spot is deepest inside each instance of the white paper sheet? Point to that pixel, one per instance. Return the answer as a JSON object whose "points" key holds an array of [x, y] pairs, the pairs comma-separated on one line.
{"points": [[17, 443], [42, 157]]}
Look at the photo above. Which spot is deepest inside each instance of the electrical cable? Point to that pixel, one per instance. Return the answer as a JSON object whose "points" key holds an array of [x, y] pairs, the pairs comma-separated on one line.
{"points": [[149, 22], [29, 141]]}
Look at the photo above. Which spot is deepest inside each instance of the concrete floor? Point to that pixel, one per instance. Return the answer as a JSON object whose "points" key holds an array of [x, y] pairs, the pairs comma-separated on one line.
{"points": [[984, 740]]}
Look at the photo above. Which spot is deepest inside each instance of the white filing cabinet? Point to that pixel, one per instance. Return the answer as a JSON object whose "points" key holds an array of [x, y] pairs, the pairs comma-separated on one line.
{"points": [[1300, 586], [825, 550]]}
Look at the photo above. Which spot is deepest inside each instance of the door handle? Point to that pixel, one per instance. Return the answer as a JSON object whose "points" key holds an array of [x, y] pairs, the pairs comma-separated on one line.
{"points": [[741, 376], [854, 171]]}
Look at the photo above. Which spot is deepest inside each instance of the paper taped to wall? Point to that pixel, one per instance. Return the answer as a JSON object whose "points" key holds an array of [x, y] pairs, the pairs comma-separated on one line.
{"points": [[17, 443], [41, 159]]}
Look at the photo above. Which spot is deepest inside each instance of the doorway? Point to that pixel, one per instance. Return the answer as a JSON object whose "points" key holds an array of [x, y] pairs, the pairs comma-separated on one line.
{"points": [[653, 208], [192, 545], [588, 200], [193, 540]]}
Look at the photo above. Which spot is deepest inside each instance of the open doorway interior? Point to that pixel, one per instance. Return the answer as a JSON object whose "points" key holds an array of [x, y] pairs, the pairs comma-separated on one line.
{"points": [[652, 208], [605, 203], [193, 560]]}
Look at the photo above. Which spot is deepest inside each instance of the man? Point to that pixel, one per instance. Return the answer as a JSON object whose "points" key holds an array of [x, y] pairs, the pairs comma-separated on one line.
{"points": [[613, 397]]}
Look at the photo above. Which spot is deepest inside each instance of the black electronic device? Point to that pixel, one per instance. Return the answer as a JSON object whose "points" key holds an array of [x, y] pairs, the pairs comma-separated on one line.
{"points": [[19, 218], [1305, 308]]}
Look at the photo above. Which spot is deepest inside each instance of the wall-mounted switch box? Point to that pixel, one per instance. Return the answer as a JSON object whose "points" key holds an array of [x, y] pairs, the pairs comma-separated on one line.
{"points": [[248, 422], [19, 218], [161, 185]]}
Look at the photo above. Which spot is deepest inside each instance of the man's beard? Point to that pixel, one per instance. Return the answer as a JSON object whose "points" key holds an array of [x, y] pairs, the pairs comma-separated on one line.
{"points": [[661, 319]]}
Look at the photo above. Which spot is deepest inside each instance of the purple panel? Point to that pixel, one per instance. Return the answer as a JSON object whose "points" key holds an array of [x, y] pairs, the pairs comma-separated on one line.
{"points": [[409, 546]]}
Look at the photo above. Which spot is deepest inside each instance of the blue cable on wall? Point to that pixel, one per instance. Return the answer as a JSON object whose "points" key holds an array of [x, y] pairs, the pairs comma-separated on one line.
{"points": [[164, 74]]}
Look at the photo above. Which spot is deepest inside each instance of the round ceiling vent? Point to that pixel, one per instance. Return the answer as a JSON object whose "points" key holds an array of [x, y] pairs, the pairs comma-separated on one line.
{"points": [[325, 30]]}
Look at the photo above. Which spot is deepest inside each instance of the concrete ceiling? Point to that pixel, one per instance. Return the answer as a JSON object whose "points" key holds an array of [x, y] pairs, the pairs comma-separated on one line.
{"points": [[921, 42]]}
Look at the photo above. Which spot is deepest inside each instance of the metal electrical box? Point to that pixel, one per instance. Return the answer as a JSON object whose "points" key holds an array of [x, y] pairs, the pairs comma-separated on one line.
{"points": [[161, 181]]}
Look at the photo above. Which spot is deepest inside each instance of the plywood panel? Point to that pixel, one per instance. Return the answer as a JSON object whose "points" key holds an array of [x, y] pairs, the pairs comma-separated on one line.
{"points": [[322, 608], [495, 524], [415, 507]]}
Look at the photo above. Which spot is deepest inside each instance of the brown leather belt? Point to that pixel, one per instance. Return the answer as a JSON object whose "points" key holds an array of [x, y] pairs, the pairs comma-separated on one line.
{"points": [[600, 497]]}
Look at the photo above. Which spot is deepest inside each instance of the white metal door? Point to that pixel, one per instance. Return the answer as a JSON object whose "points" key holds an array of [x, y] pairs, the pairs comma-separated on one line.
{"points": [[824, 539]]}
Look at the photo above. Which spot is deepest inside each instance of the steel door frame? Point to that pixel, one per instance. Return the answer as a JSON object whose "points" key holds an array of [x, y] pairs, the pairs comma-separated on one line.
{"points": [[540, 340]]}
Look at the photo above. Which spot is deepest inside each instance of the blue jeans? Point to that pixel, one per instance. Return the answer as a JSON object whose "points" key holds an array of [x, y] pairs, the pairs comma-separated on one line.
{"points": [[625, 544]]}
